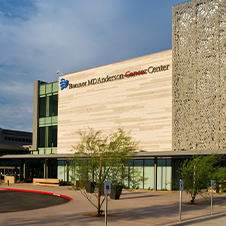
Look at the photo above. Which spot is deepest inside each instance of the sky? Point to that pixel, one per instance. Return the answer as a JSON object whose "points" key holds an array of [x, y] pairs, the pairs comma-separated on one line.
{"points": [[38, 37]]}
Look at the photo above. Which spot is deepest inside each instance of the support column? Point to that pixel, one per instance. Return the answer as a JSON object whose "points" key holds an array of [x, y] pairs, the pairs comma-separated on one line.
{"points": [[67, 170], [21, 172], [25, 170], [45, 169], [155, 175]]}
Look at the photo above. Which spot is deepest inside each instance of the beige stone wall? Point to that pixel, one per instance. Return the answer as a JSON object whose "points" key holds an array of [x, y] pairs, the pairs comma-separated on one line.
{"points": [[141, 103]]}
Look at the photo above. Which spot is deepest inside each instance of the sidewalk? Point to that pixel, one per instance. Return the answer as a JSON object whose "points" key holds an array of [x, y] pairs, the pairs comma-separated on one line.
{"points": [[137, 207]]}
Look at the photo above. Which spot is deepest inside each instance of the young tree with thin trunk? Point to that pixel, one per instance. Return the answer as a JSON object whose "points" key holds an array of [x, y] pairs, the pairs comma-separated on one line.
{"points": [[198, 172], [98, 158]]}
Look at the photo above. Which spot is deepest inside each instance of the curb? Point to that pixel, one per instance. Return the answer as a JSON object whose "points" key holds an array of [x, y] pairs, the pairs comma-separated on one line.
{"points": [[40, 192]]}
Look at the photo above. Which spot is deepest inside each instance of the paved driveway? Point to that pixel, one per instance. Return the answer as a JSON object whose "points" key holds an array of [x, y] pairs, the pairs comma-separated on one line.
{"points": [[137, 207], [12, 201]]}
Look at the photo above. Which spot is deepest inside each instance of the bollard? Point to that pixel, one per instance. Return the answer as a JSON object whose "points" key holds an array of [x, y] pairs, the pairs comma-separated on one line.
{"points": [[8, 182]]}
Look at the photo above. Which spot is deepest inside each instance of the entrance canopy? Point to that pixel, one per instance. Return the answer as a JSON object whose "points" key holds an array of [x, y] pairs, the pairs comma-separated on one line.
{"points": [[140, 154]]}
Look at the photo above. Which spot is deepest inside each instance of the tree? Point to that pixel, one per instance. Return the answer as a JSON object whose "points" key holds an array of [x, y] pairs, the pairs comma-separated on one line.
{"points": [[198, 172], [98, 158]]}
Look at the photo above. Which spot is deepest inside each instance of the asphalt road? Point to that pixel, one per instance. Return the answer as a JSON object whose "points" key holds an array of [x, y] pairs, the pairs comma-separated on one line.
{"points": [[12, 201]]}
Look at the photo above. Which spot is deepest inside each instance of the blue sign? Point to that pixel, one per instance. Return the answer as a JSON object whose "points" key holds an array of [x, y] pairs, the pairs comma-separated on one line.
{"points": [[212, 184], [181, 185], [63, 83], [107, 187]]}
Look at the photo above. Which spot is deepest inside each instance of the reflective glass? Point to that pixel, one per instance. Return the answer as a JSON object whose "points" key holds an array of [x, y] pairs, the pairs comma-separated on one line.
{"points": [[42, 107], [42, 136], [42, 90]]}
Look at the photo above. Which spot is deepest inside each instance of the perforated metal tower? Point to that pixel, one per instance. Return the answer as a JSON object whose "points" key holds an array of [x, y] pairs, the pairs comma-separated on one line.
{"points": [[199, 75]]}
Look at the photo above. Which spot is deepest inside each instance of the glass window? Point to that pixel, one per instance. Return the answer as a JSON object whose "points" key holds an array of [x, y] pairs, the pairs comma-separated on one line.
{"points": [[54, 105], [138, 173], [42, 90], [42, 107], [48, 136], [48, 151], [48, 120], [138, 162], [41, 151], [55, 87], [52, 136], [42, 137], [52, 168], [164, 172], [49, 88], [54, 150], [149, 169], [48, 105], [42, 121], [54, 120]]}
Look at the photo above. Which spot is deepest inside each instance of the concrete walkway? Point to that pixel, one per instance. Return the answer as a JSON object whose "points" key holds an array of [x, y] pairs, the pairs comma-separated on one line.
{"points": [[137, 207]]}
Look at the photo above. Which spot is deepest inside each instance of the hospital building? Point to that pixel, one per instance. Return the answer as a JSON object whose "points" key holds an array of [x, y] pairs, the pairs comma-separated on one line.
{"points": [[173, 102]]}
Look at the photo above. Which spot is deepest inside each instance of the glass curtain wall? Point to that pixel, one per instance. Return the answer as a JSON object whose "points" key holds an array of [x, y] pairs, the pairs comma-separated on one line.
{"points": [[149, 172], [164, 174], [62, 170], [48, 111], [140, 173]]}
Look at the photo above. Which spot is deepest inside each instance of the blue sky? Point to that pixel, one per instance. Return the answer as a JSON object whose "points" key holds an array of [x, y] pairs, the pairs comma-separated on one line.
{"points": [[38, 37]]}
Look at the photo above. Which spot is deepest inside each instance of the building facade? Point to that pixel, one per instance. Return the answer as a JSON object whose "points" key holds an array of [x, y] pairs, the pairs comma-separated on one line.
{"points": [[173, 102], [199, 69], [135, 94], [13, 142]]}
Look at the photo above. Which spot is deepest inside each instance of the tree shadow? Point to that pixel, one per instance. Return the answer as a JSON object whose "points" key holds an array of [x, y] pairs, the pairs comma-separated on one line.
{"points": [[138, 197], [134, 213]]}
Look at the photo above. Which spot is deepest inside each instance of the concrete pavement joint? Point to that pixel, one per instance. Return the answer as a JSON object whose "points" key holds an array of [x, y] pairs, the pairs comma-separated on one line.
{"points": [[196, 220]]}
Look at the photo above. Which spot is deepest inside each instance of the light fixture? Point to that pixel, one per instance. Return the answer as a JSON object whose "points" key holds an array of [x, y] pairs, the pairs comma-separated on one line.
{"points": [[59, 72]]}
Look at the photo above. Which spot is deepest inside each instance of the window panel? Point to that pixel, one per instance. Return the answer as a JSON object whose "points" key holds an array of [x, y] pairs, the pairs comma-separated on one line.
{"points": [[41, 121], [42, 136], [42, 90], [149, 169], [164, 172], [54, 120], [48, 105], [54, 136], [54, 105], [41, 151], [138, 172], [42, 107], [55, 87], [49, 88], [48, 120]]}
